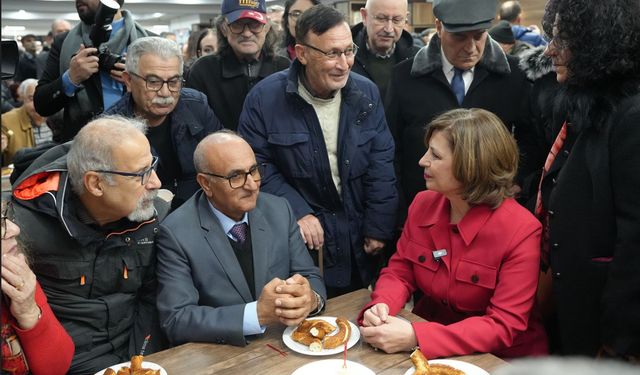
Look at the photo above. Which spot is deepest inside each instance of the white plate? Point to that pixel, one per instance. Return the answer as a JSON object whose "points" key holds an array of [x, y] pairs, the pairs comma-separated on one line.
{"points": [[468, 368], [332, 367], [304, 349], [145, 364]]}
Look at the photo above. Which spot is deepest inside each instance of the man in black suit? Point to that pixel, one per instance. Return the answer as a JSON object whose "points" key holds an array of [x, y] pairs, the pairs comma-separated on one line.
{"points": [[460, 68]]}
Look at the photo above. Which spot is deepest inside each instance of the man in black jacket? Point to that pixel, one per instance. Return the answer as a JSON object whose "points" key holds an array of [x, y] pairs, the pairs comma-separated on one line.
{"points": [[178, 118], [460, 68], [74, 80], [382, 41], [89, 215], [245, 56]]}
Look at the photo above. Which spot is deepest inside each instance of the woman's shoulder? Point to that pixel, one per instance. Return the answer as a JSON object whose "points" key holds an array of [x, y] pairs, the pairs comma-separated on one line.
{"points": [[426, 203]]}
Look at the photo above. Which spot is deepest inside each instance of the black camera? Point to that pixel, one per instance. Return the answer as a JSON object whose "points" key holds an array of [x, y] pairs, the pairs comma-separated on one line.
{"points": [[100, 32], [107, 60]]}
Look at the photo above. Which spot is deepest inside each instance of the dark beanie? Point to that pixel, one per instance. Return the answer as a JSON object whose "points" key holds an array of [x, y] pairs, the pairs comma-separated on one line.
{"points": [[502, 33]]}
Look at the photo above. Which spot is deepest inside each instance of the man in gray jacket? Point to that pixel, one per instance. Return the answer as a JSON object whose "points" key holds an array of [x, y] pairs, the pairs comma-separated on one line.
{"points": [[231, 260]]}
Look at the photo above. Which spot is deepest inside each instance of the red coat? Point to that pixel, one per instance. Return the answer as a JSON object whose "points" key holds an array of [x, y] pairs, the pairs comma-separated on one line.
{"points": [[480, 296], [47, 346]]}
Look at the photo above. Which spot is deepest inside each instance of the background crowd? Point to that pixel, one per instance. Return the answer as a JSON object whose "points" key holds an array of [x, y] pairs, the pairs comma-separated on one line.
{"points": [[484, 171]]}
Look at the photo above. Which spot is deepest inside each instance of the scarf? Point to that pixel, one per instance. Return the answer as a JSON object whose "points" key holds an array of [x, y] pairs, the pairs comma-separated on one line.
{"points": [[116, 44]]}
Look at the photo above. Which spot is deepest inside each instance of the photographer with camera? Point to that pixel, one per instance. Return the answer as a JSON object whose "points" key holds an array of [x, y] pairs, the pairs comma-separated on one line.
{"points": [[83, 74]]}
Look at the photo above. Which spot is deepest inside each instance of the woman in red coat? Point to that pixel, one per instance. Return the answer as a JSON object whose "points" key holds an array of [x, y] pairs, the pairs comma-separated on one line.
{"points": [[33, 341], [467, 245]]}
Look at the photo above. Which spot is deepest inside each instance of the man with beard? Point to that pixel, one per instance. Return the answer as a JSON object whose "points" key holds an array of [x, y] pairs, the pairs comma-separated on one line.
{"points": [[382, 41], [245, 56], [74, 79], [89, 214], [178, 118], [321, 132]]}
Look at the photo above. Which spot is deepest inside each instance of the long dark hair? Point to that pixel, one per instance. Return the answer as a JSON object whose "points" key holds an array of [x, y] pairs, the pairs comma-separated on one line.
{"points": [[603, 38], [290, 40]]}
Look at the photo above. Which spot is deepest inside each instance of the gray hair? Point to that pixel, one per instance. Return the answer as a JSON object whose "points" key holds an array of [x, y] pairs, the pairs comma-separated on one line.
{"points": [[93, 145], [152, 45], [200, 154], [22, 89]]}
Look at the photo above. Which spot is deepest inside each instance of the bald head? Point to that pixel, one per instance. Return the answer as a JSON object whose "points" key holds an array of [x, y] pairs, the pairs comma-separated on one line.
{"points": [[59, 26], [384, 21], [394, 3], [510, 11], [213, 147]]}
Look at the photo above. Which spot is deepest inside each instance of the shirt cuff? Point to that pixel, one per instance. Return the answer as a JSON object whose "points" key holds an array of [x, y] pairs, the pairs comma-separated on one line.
{"points": [[250, 323], [68, 86], [318, 309]]}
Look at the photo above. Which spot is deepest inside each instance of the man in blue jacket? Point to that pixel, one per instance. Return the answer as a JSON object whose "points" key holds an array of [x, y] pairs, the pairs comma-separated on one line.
{"points": [[178, 117], [322, 133]]}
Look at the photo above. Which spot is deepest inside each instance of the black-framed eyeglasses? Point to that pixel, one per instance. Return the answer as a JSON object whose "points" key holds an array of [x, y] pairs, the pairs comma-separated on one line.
{"points": [[238, 27], [144, 175], [383, 20], [5, 216], [334, 54], [239, 179], [154, 83]]}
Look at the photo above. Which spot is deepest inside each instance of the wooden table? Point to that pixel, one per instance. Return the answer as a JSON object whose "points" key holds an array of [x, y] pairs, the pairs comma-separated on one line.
{"points": [[257, 358]]}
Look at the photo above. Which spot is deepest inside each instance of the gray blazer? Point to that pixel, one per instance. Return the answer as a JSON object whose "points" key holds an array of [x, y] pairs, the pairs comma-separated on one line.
{"points": [[202, 291]]}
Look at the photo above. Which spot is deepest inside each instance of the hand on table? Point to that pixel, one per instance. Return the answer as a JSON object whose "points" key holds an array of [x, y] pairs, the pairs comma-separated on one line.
{"points": [[266, 305], [395, 335], [19, 285], [376, 315], [296, 302], [311, 231]]}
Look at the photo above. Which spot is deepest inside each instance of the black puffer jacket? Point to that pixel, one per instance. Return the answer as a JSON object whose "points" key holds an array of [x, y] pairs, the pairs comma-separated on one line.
{"points": [[100, 282]]}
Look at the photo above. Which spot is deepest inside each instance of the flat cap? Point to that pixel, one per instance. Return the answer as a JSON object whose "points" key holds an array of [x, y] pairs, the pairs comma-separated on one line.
{"points": [[465, 15]]}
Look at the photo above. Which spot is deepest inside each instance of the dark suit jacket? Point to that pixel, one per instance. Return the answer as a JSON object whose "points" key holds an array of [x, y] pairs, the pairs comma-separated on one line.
{"points": [[202, 290], [419, 91]]}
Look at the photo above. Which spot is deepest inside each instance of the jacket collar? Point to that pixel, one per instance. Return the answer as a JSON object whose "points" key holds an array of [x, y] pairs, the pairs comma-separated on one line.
{"points": [[428, 59], [534, 63], [180, 115], [468, 227], [351, 94], [24, 119], [232, 67], [404, 45]]}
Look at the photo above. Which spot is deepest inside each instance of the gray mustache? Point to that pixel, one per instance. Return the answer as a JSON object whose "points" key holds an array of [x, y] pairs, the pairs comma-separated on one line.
{"points": [[163, 100]]}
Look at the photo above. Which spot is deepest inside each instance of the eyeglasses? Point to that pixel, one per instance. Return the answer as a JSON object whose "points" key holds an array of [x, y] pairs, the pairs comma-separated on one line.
{"points": [[5, 216], [238, 27], [295, 14], [144, 175], [383, 20], [154, 83], [334, 54], [239, 179]]}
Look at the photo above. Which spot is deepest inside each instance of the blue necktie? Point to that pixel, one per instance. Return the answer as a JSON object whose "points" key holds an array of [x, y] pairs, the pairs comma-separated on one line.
{"points": [[457, 85]]}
